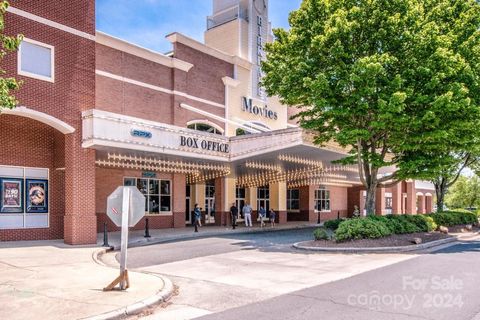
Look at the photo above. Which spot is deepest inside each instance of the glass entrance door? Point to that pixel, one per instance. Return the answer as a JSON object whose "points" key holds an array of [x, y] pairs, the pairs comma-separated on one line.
{"points": [[210, 202], [240, 202], [263, 200], [209, 210], [188, 211]]}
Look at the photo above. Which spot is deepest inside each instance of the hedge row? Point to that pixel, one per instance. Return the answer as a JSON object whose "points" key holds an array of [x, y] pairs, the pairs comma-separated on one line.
{"points": [[453, 218], [380, 226]]}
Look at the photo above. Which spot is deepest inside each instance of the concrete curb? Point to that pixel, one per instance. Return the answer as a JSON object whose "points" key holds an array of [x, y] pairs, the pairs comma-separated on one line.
{"points": [[467, 237], [98, 252], [163, 295], [409, 248], [202, 235]]}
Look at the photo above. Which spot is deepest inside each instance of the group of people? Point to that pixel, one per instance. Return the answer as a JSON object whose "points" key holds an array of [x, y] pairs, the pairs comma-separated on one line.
{"points": [[247, 215]]}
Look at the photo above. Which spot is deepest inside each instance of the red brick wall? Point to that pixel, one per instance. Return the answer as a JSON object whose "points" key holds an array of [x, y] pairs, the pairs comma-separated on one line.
{"points": [[355, 198], [306, 212], [107, 180], [74, 87], [338, 203], [72, 92], [29, 143], [339, 199], [204, 80], [129, 66], [76, 14]]}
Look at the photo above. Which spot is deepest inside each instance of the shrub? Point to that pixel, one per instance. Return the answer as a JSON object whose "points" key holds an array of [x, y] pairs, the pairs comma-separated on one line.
{"points": [[477, 213], [422, 222], [430, 223], [320, 234], [333, 224], [368, 228], [401, 225], [452, 218], [462, 210], [397, 224]]}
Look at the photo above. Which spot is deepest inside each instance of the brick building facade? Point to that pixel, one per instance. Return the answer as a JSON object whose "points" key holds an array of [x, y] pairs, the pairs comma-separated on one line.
{"points": [[112, 113]]}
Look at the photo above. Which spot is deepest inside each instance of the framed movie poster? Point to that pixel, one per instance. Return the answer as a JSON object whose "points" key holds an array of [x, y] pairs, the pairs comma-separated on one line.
{"points": [[11, 198], [37, 196]]}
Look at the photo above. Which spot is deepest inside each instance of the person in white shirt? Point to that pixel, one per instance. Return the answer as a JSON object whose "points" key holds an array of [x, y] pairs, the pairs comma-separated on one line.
{"points": [[247, 213]]}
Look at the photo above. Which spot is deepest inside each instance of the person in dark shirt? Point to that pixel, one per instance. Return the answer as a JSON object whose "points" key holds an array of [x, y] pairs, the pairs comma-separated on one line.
{"points": [[234, 214], [197, 215]]}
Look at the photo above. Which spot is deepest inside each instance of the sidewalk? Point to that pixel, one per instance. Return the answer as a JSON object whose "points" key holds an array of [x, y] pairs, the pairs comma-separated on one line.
{"points": [[136, 238], [51, 280]]}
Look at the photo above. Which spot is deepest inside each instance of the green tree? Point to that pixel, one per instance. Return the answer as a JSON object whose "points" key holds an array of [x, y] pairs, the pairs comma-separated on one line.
{"points": [[465, 193], [8, 44], [450, 171], [391, 80]]}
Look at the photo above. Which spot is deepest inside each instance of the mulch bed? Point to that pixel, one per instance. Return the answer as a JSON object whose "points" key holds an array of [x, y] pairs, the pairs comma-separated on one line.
{"points": [[396, 240]]}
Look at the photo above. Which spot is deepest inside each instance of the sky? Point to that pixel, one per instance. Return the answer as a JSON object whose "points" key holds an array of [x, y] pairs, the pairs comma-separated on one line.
{"points": [[147, 22]]}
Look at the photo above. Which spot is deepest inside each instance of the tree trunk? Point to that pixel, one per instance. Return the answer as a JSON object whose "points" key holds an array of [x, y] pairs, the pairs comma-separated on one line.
{"points": [[370, 201], [440, 191]]}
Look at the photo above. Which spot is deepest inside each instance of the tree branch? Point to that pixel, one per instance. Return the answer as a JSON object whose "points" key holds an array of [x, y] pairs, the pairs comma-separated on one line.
{"points": [[465, 163], [386, 178]]}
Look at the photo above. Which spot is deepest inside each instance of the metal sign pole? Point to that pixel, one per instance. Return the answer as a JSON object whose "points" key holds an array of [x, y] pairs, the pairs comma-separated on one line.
{"points": [[124, 236], [131, 203]]}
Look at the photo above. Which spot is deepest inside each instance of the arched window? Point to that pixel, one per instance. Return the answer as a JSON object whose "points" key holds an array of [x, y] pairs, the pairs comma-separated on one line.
{"points": [[255, 126], [259, 125], [205, 126]]}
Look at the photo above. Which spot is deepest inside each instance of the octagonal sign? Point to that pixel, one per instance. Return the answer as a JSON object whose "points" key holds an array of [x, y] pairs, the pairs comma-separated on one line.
{"points": [[115, 206]]}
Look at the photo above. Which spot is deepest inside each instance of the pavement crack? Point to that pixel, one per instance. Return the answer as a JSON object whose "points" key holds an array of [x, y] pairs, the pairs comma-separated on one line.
{"points": [[361, 308], [27, 292], [16, 267]]}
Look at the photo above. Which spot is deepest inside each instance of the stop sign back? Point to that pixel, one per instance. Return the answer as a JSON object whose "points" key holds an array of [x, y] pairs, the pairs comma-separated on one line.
{"points": [[115, 204]]}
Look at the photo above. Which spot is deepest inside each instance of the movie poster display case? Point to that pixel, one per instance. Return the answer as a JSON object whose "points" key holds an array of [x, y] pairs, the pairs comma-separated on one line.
{"points": [[24, 197]]}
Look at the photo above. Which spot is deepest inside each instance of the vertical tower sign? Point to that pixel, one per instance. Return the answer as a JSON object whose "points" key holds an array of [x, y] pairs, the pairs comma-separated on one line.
{"points": [[259, 29]]}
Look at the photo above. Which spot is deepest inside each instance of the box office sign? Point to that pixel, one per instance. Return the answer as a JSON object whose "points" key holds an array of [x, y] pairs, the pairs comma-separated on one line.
{"points": [[195, 143], [37, 196], [11, 199]]}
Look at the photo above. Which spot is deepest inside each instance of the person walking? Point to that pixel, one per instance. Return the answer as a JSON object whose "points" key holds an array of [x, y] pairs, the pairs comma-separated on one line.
{"points": [[247, 213], [234, 214], [262, 214], [272, 217], [198, 215]]}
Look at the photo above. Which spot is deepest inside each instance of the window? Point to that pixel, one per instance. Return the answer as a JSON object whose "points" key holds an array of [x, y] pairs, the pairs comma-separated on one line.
{"points": [[240, 198], [293, 199], [157, 193], [322, 199], [263, 193], [205, 128], [388, 202], [210, 189], [36, 60], [263, 198]]}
